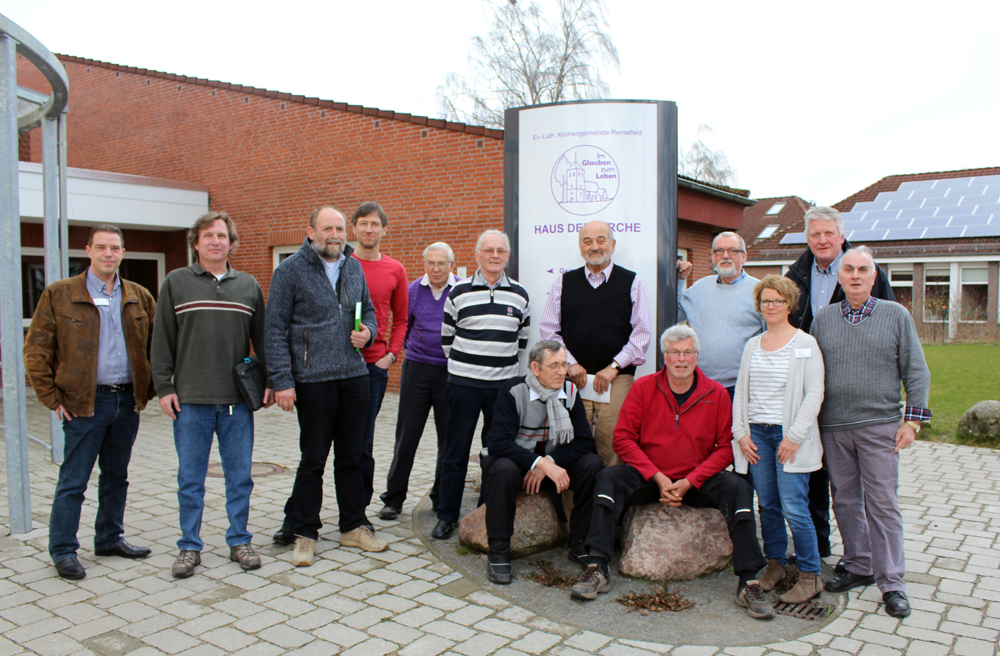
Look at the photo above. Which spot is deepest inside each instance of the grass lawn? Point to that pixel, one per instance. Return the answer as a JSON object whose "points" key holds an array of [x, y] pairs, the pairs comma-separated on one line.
{"points": [[961, 376]]}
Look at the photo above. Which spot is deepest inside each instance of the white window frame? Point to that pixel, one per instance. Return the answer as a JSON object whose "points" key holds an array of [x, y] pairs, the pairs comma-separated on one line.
{"points": [[962, 269], [278, 251], [775, 209], [938, 269]]}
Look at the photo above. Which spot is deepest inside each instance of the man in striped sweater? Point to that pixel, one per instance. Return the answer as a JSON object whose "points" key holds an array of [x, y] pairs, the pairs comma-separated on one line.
{"points": [[485, 328], [208, 314]]}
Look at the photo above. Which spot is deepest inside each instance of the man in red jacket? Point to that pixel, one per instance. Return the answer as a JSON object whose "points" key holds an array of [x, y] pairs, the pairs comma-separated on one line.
{"points": [[674, 435]]}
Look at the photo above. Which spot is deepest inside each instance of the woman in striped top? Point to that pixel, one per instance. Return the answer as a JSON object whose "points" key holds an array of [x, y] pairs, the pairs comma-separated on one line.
{"points": [[779, 391]]}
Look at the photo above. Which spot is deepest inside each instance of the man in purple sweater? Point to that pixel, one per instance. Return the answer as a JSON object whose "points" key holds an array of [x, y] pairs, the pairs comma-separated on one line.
{"points": [[425, 376]]}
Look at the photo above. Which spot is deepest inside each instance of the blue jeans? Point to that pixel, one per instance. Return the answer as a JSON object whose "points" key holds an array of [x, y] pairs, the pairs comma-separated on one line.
{"points": [[106, 438], [782, 496], [378, 381], [193, 430]]}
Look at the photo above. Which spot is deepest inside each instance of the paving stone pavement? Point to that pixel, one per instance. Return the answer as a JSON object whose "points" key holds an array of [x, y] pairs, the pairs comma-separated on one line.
{"points": [[405, 601]]}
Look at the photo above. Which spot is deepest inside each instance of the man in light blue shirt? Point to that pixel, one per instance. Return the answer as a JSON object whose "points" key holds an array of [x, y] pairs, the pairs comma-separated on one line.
{"points": [[720, 309]]}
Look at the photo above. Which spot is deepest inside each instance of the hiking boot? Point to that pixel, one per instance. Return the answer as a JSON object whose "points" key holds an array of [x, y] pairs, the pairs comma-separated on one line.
{"points": [[772, 575], [245, 556], [809, 586], [304, 554], [185, 563], [755, 601], [389, 512], [363, 537], [592, 582], [499, 568]]}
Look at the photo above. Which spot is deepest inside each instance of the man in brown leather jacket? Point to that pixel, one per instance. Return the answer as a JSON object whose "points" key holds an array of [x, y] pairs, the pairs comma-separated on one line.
{"points": [[87, 356]]}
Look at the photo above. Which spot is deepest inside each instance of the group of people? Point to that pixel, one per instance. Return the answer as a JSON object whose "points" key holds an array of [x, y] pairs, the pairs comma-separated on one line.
{"points": [[798, 372]]}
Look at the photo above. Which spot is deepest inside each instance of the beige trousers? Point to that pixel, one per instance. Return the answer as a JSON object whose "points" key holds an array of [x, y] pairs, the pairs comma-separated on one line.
{"points": [[604, 416]]}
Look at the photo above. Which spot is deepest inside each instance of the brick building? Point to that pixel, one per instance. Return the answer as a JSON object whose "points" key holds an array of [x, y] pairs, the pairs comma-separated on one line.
{"points": [[269, 158], [936, 234]]}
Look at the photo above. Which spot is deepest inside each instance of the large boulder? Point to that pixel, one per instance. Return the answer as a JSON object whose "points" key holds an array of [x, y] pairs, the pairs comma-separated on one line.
{"points": [[675, 543], [981, 424], [536, 527]]}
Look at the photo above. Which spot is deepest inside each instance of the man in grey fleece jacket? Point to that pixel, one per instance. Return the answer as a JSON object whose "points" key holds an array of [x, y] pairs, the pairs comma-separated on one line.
{"points": [[870, 348], [316, 366]]}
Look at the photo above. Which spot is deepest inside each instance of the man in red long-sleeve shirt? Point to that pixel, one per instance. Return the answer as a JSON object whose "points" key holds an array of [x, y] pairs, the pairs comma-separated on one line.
{"points": [[674, 434], [387, 286]]}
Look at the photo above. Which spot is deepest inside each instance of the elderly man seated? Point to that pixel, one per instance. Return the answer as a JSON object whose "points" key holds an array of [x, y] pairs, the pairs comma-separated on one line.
{"points": [[539, 440], [674, 435]]}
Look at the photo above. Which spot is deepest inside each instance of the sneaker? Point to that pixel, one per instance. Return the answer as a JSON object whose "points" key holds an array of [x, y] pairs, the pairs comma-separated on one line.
{"points": [[245, 556], [755, 601], [363, 537], [772, 575], [389, 512], [304, 554], [592, 582], [185, 563]]}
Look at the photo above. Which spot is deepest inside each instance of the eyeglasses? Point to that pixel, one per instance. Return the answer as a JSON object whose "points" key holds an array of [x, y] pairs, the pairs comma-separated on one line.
{"points": [[778, 302], [732, 251], [437, 265], [673, 353], [493, 251], [557, 366]]}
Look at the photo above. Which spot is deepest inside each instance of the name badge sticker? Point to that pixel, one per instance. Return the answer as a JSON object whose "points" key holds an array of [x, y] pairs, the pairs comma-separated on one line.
{"points": [[102, 301], [803, 353]]}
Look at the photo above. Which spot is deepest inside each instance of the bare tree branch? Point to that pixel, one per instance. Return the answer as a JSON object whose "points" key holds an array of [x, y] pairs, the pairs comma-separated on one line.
{"points": [[526, 60], [702, 163]]}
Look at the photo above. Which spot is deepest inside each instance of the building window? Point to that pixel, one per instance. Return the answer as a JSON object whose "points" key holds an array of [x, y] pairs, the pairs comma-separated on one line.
{"points": [[974, 293], [901, 281], [281, 252], [767, 232], [774, 209], [682, 254], [937, 294]]}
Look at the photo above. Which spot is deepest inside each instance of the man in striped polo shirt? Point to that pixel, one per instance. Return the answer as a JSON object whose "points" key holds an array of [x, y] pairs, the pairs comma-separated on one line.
{"points": [[485, 328], [207, 316]]}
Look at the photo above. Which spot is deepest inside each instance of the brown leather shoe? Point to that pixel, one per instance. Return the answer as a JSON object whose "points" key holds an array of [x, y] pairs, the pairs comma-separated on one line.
{"points": [[772, 575], [809, 586]]}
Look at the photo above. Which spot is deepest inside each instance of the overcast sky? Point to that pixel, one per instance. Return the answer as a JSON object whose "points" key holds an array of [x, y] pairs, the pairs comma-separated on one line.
{"points": [[816, 100]]}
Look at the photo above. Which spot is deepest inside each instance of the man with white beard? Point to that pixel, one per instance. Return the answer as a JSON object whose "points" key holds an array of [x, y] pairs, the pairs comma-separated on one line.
{"points": [[721, 309]]}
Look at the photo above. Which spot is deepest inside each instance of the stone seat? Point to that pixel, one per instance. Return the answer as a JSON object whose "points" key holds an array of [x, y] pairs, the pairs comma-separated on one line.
{"points": [[673, 543], [536, 527]]}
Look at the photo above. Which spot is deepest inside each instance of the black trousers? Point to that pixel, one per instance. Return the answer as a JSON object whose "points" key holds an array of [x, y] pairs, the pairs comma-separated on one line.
{"points": [[503, 479], [330, 413], [819, 506], [622, 486], [421, 387], [465, 402]]}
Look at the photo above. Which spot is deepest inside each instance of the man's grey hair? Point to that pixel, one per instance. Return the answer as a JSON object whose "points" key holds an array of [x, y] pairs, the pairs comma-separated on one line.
{"points": [[611, 231], [743, 244], [677, 333], [859, 249], [487, 233], [822, 213], [541, 350], [440, 246]]}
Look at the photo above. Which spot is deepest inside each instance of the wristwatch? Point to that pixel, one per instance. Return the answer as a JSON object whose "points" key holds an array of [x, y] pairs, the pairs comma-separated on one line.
{"points": [[615, 366], [915, 425]]}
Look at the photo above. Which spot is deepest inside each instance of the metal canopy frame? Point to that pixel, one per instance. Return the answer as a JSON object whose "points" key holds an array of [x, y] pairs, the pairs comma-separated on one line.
{"points": [[47, 112]]}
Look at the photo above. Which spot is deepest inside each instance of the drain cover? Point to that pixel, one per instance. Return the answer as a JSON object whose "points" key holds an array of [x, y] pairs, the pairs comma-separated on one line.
{"points": [[806, 611], [257, 470]]}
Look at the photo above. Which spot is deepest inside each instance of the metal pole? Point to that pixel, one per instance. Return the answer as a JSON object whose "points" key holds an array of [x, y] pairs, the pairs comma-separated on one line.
{"points": [[11, 322], [63, 206], [53, 254]]}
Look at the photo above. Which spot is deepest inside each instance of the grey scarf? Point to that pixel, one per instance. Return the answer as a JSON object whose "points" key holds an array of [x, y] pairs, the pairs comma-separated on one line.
{"points": [[560, 426]]}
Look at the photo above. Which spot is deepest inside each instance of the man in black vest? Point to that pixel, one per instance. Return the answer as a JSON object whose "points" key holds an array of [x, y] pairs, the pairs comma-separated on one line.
{"points": [[603, 321]]}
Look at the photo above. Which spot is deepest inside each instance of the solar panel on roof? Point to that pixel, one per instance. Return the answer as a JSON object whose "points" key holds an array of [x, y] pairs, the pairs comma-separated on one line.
{"points": [[983, 231], [897, 234], [952, 182], [986, 179], [881, 214], [942, 202], [916, 184], [870, 206], [852, 216], [961, 210], [929, 193], [856, 225], [793, 238], [917, 212], [973, 219], [893, 195], [949, 232], [889, 224], [865, 235], [931, 222], [905, 204], [987, 209]]}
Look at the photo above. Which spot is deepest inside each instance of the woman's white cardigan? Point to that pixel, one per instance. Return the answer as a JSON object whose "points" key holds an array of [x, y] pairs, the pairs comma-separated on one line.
{"points": [[799, 410]]}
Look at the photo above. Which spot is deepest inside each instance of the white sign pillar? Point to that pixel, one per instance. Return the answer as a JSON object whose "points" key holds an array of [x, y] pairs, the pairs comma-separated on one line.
{"points": [[567, 164]]}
